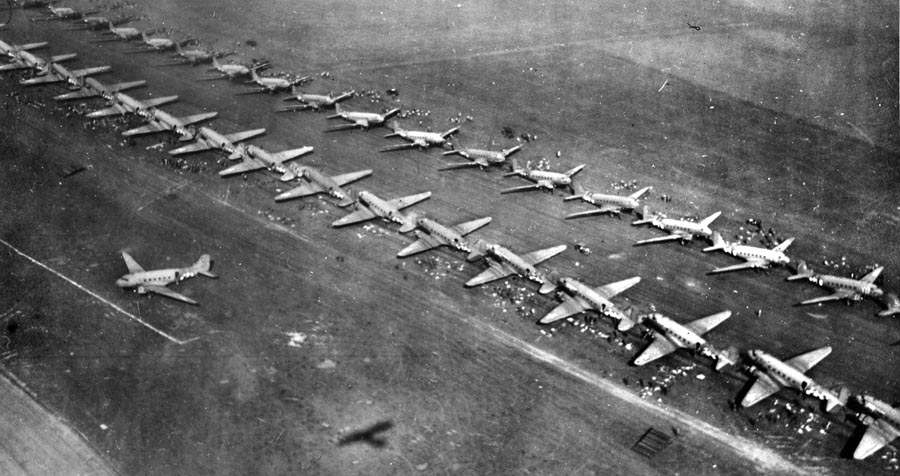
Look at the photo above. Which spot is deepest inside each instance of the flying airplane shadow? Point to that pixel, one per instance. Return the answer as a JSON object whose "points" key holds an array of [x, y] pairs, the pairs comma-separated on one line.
{"points": [[368, 435]]}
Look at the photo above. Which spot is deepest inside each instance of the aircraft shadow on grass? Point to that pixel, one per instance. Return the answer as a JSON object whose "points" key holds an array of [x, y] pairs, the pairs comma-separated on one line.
{"points": [[369, 435]]}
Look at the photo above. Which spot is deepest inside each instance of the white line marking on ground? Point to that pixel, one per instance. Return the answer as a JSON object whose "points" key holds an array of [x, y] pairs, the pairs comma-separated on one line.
{"points": [[98, 297]]}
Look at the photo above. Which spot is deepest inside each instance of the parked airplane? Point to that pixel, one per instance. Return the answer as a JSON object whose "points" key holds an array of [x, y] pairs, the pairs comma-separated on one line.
{"points": [[480, 158], [678, 229], [155, 281], [362, 120], [434, 234], [891, 304], [755, 257], [584, 297], [844, 288], [195, 56], [670, 336], [231, 71], [91, 88], [369, 206], [56, 73], [314, 101], [64, 13], [161, 121], [206, 138], [25, 60], [125, 104], [126, 33], [771, 374], [316, 182], [608, 203], [508, 263], [93, 23], [543, 179], [271, 84], [883, 423], [257, 158], [157, 44], [418, 139]]}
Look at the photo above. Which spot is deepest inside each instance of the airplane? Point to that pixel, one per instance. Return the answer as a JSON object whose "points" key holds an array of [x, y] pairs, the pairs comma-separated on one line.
{"points": [[480, 158], [11, 50], [543, 179], [314, 101], [508, 263], [883, 422], [257, 158], [57, 73], [671, 336], [844, 288], [126, 33], [754, 256], [316, 182], [418, 139], [195, 56], [25, 60], [91, 88], [124, 104], [892, 304], [155, 281], [369, 206], [436, 234], [608, 203], [771, 374], [584, 297], [157, 44], [161, 121], [678, 229], [272, 84], [64, 13], [362, 120], [207, 138], [93, 23], [230, 71]]}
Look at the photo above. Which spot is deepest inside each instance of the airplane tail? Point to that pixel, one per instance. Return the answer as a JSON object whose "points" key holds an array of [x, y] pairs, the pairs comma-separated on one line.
{"points": [[893, 305], [783, 245], [727, 357], [645, 217], [346, 201], [337, 112], [410, 222], [803, 272], [718, 242], [477, 252], [396, 128], [708, 220], [578, 191], [144, 37], [516, 169], [202, 267]]}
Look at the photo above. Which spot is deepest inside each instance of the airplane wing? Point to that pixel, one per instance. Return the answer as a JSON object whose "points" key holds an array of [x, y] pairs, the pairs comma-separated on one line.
{"points": [[342, 127], [871, 277], [188, 120], [498, 270], [244, 135], [360, 215], [79, 73], [45, 79], [569, 307], [606, 208], [460, 165], [762, 388], [661, 239], [408, 201], [705, 324], [114, 110], [133, 266], [523, 188], [294, 107], [660, 347], [247, 165], [613, 289], [286, 155], [14, 65], [425, 242], [468, 227], [304, 190], [88, 92], [344, 179], [391, 148], [738, 267], [164, 291], [839, 294], [145, 129], [539, 256], [877, 435], [804, 362], [198, 146]]}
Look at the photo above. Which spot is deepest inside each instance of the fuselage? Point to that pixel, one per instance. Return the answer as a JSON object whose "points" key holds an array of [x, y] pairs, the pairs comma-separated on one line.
{"points": [[380, 207], [422, 138], [604, 199], [836, 283], [682, 226], [320, 179], [675, 332], [589, 296], [447, 235], [522, 267], [881, 410], [159, 277], [544, 176]]}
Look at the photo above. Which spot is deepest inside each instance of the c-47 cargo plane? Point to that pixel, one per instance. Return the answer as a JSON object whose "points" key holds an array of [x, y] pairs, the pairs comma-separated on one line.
{"points": [[755, 257], [480, 158], [316, 182], [155, 281], [672, 336], [772, 374], [436, 234], [257, 158], [161, 121], [314, 101], [613, 204], [207, 138], [362, 120], [420, 139], [124, 104], [506, 263], [370, 206], [584, 297], [844, 288], [57, 73], [543, 179], [91, 88], [883, 423], [678, 229]]}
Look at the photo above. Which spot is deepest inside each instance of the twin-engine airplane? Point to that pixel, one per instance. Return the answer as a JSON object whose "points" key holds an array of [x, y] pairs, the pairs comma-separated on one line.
{"points": [[420, 139], [754, 256], [772, 374], [370, 206], [678, 229], [671, 336], [271, 84], [155, 281], [362, 120], [480, 158], [432, 234], [315, 102], [844, 288], [613, 204], [91, 88], [584, 298], [543, 179], [316, 182], [161, 121], [57, 73], [506, 263], [124, 104], [257, 158], [207, 138], [883, 423]]}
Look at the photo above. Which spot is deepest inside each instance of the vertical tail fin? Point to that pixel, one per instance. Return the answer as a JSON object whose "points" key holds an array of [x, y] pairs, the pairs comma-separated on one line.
{"points": [[718, 242], [803, 271], [645, 217], [202, 266]]}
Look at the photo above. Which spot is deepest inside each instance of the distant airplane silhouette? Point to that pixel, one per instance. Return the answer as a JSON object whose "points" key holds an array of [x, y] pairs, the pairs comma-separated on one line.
{"points": [[368, 435]]}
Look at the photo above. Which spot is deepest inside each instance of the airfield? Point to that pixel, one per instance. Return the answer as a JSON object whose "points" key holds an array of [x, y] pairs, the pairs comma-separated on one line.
{"points": [[311, 335]]}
